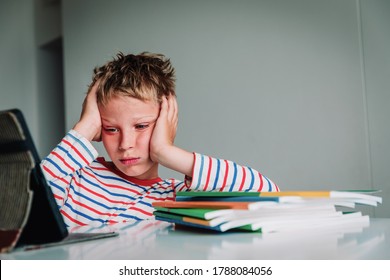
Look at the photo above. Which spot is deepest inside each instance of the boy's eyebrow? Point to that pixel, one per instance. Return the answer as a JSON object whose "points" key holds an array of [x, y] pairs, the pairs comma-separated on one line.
{"points": [[135, 119], [104, 119], [146, 117]]}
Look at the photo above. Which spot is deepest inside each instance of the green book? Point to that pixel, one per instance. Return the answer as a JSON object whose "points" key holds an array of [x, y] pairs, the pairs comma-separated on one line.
{"points": [[200, 223], [358, 196], [200, 213], [270, 224]]}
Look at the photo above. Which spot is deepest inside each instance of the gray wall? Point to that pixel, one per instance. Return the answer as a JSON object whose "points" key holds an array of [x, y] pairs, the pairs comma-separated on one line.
{"points": [[17, 59], [31, 74], [375, 17], [296, 89]]}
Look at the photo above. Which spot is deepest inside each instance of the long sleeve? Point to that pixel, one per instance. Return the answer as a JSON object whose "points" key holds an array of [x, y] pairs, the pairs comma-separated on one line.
{"points": [[90, 191], [73, 153], [224, 175]]}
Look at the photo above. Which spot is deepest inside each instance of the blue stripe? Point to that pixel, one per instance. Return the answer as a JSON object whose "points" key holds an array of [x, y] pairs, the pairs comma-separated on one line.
{"points": [[58, 187], [269, 184], [200, 171], [70, 156], [94, 201], [179, 185], [115, 178], [234, 177], [168, 182], [83, 214], [56, 166], [162, 192], [104, 189], [252, 178], [130, 216], [145, 203], [82, 145], [217, 175]]}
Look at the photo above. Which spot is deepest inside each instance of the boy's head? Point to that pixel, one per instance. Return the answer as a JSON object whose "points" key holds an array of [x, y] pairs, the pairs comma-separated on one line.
{"points": [[129, 93], [146, 76]]}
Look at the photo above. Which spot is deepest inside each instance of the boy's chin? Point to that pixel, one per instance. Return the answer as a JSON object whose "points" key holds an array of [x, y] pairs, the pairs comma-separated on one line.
{"points": [[142, 174]]}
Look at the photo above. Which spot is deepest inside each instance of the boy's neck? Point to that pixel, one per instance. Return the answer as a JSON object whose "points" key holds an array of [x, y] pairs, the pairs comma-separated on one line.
{"points": [[139, 181]]}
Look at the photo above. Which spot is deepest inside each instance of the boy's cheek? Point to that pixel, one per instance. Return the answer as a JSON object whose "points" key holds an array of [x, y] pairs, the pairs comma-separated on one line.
{"points": [[145, 137]]}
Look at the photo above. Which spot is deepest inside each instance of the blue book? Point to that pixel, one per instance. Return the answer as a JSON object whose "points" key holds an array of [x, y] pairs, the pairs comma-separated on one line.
{"points": [[227, 198], [197, 223]]}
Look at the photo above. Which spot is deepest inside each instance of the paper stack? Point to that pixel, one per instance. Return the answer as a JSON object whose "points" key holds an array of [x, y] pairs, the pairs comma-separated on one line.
{"points": [[267, 212]]}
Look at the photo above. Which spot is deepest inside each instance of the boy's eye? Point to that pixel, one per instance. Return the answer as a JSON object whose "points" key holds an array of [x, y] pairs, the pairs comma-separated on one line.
{"points": [[141, 126], [110, 129]]}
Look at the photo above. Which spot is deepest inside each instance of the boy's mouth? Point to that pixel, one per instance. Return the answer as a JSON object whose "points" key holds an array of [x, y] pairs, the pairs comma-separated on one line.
{"points": [[130, 161]]}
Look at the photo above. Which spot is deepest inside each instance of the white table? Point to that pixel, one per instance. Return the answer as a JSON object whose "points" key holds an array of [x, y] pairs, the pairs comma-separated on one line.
{"points": [[149, 240]]}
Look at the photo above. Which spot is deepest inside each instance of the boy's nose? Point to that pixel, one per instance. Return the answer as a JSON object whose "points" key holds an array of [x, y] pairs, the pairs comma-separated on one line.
{"points": [[127, 141]]}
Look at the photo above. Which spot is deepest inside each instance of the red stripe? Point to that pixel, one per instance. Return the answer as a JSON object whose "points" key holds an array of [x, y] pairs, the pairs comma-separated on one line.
{"points": [[73, 220], [54, 175], [63, 161], [99, 168], [184, 187], [57, 197], [100, 195], [141, 211], [77, 151], [50, 172], [277, 188], [159, 198], [173, 188], [208, 174], [261, 183], [90, 208], [111, 185], [226, 175], [243, 178]]}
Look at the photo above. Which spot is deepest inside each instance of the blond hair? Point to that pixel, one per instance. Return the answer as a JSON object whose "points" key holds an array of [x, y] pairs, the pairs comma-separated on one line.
{"points": [[146, 76]]}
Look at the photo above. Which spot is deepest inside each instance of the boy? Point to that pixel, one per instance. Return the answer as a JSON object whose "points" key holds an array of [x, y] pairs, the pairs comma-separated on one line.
{"points": [[131, 107]]}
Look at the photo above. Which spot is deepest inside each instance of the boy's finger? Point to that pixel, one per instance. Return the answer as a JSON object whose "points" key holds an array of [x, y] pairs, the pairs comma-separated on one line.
{"points": [[164, 107], [176, 109], [172, 107], [93, 89]]}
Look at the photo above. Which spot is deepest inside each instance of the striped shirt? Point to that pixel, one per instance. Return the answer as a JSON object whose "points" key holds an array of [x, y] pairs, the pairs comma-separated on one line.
{"points": [[90, 191]]}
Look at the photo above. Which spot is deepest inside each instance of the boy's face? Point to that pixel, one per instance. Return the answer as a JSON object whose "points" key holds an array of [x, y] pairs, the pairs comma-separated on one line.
{"points": [[127, 126]]}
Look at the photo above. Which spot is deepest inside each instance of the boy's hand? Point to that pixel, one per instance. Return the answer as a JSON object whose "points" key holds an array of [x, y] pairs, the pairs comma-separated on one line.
{"points": [[90, 125], [162, 149], [164, 132]]}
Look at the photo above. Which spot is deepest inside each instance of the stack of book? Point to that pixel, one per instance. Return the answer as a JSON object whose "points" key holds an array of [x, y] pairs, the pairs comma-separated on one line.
{"points": [[266, 212]]}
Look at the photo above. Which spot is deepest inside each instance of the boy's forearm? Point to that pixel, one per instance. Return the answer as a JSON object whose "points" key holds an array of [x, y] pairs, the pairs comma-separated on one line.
{"points": [[177, 159], [90, 124], [87, 130]]}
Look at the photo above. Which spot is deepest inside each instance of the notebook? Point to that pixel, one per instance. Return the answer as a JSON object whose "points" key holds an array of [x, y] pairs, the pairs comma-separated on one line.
{"points": [[29, 215]]}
